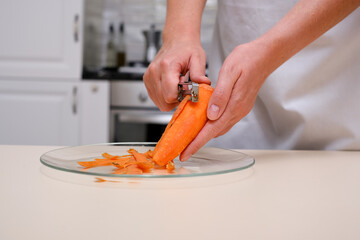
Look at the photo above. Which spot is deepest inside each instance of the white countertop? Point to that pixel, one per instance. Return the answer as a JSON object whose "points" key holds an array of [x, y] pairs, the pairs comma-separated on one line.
{"points": [[285, 195]]}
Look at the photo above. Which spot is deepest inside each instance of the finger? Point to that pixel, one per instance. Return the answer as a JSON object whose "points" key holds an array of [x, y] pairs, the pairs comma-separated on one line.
{"points": [[197, 66], [222, 92], [182, 79], [211, 130], [169, 81], [206, 134], [234, 112], [162, 104], [222, 132], [151, 79]]}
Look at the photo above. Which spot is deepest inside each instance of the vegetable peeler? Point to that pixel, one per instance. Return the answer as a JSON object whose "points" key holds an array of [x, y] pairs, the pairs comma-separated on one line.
{"points": [[191, 88]]}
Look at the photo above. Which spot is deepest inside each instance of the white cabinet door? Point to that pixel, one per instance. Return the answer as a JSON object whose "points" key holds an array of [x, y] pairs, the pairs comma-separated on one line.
{"points": [[39, 113], [94, 110], [41, 38]]}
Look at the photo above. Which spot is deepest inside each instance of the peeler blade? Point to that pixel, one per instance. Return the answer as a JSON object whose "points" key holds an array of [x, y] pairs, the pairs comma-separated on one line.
{"points": [[191, 89]]}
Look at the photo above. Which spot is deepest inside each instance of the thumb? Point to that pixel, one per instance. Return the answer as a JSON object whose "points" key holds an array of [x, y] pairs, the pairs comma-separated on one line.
{"points": [[221, 95]]}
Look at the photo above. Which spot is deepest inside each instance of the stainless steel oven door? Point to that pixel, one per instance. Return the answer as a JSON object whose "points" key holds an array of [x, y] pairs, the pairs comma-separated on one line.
{"points": [[133, 125]]}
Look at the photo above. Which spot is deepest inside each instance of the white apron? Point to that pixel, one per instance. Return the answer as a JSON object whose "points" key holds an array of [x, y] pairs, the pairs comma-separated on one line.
{"points": [[312, 101]]}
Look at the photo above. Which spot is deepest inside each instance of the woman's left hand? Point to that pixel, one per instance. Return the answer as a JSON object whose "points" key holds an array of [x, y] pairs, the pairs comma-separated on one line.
{"points": [[240, 79]]}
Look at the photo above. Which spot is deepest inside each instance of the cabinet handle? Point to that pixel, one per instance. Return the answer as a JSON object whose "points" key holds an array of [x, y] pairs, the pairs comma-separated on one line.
{"points": [[74, 102], [76, 28]]}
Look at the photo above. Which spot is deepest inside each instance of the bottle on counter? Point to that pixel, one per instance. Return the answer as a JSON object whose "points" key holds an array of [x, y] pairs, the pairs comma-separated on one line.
{"points": [[151, 50], [152, 38], [111, 51], [121, 53]]}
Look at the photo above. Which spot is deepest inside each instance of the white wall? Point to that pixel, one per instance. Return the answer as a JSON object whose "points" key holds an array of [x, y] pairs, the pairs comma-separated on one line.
{"points": [[137, 15]]}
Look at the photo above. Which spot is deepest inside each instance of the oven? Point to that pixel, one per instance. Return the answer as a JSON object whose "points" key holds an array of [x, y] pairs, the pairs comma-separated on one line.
{"points": [[133, 115]]}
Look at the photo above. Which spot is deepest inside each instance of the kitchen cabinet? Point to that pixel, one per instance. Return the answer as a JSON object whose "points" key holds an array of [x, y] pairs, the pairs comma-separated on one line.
{"points": [[41, 38], [53, 113], [43, 99], [94, 110]]}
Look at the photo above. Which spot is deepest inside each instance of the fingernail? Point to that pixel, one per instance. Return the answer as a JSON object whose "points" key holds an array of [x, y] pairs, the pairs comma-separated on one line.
{"points": [[213, 111]]}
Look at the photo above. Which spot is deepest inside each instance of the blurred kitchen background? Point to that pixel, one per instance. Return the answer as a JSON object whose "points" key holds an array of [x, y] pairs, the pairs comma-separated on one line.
{"points": [[71, 70]]}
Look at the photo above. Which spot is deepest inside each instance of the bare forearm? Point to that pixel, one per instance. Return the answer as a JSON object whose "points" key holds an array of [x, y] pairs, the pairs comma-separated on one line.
{"points": [[183, 20], [308, 20]]}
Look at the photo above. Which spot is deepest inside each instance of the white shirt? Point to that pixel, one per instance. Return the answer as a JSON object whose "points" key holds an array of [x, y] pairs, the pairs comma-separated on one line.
{"points": [[310, 102]]}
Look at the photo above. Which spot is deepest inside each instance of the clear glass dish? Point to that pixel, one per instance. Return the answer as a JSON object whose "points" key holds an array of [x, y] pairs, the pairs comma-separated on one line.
{"points": [[207, 161]]}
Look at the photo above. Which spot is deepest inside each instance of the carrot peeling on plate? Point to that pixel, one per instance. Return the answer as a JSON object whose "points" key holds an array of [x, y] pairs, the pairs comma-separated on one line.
{"points": [[106, 161], [170, 166], [132, 163], [187, 121]]}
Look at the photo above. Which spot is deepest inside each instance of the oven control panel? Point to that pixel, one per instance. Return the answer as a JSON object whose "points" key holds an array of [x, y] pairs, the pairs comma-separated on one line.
{"points": [[129, 94]]}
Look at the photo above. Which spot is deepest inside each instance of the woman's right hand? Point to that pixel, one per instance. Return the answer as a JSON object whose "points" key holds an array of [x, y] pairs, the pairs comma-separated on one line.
{"points": [[163, 74]]}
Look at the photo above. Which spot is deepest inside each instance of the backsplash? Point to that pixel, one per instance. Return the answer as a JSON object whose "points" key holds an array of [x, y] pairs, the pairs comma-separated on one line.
{"points": [[137, 15]]}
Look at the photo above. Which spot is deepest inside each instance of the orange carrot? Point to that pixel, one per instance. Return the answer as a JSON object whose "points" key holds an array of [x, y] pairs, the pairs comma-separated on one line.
{"points": [[187, 121]]}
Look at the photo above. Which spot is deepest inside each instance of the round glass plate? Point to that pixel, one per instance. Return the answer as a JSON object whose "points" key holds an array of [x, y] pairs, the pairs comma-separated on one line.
{"points": [[207, 161]]}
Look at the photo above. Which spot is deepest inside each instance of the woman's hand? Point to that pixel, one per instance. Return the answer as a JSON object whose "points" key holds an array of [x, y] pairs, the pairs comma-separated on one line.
{"points": [[240, 79], [162, 76], [181, 52], [247, 67]]}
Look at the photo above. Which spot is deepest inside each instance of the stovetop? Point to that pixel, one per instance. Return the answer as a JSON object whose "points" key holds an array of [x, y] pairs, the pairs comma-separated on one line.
{"points": [[133, 71]]}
